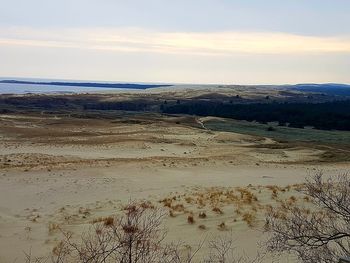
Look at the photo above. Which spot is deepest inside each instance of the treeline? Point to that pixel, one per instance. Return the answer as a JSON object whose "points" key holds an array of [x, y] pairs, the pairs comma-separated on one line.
{"points": [[135, 105], [329, 89], [333, 115], [43, 102], [327, 116], [72, 103]]}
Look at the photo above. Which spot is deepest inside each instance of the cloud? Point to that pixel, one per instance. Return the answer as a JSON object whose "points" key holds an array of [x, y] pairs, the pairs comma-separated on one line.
{"points": [[193, 43]]}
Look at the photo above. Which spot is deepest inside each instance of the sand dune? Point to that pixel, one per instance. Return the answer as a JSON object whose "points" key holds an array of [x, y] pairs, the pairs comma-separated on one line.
{"points": [[67, 172]]}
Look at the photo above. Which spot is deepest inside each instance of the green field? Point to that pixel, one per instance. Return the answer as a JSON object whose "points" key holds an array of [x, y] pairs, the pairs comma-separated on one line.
{"points": [[280, 133]]}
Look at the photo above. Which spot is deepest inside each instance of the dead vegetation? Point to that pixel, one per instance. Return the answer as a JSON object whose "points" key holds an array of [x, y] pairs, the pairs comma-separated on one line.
{"points": [[190, 219], [136, 237], [249, 218], [318, 229], [53, 227], [202, 215], [244, 199], [202, 227]]}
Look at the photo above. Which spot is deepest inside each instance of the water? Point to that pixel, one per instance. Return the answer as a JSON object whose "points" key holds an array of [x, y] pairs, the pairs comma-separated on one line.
{"points": [[6, 88]]}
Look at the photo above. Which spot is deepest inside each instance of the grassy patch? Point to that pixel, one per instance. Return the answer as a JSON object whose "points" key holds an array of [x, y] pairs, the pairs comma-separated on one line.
{"points": [[335, 156], [280, 133]]}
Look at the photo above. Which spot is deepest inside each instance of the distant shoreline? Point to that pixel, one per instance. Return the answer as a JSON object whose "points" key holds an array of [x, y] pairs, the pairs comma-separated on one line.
{"points": [[87, 84]]}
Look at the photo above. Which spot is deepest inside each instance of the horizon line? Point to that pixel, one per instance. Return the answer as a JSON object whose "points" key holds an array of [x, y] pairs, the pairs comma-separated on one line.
{"points": [[63, 80]]}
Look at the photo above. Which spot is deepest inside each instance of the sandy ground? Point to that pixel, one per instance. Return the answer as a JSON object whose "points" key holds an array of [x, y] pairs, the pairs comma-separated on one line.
{"points": [[60, 171]]}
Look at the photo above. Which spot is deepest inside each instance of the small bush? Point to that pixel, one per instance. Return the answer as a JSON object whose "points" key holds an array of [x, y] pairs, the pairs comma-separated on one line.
{"points": [[190, 219], [53, 227], [202, 227], [222, 226], [217, 210], [108, 221], [178, 208], [171, 213], [202, 215], [249, 218]]}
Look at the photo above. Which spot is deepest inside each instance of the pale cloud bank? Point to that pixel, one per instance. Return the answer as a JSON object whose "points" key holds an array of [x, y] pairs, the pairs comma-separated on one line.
{"points": [[191, 43], [143, 55]]}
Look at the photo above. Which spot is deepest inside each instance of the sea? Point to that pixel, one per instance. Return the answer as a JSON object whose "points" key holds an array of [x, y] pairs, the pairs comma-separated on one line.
{"points": [[15, 88], [10, 88]]}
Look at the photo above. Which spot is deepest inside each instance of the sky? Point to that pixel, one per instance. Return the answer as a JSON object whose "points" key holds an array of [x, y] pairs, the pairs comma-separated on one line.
{"points": [[182, 41]]}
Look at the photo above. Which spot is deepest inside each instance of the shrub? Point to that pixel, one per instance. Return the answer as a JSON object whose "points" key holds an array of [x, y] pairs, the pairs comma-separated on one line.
{"points": [[249, 218], [217, 210], [190, 219], [202, 227], [222, 226], [202, 215]]}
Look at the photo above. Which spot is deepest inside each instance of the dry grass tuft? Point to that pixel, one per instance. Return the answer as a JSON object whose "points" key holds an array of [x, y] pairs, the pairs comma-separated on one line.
{"points": [[108, 221], [274, 194], [292, 199], [247, 197], [166, 202], [178, 208], [83, 211], [202, 215], [53, 227], [249, 218], [202, 227], [222, 226], [306, 199], [171, 213], [147, 205], [190, 219], [217, 210], [189, 199]]}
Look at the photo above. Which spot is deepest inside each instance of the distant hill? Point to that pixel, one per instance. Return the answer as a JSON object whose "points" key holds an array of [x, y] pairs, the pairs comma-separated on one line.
{"points": [[87, 84], [329, 89]]}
